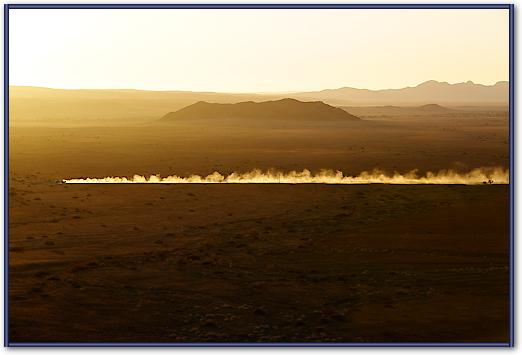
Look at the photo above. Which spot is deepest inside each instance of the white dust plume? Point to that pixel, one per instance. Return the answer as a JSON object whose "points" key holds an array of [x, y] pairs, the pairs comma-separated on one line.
{"points": [[485, 175]]}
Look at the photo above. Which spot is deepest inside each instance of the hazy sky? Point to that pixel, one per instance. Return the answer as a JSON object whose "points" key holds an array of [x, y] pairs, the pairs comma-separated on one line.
{"points": [[256, 50]]}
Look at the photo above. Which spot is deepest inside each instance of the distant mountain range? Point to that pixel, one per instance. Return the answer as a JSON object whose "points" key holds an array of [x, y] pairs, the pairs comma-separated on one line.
{"points": [[429, 92], [43, 105], [281, 110]]}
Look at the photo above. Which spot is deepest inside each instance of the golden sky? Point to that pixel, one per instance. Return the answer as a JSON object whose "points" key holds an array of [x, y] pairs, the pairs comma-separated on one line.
{"points": [[256, 50]]}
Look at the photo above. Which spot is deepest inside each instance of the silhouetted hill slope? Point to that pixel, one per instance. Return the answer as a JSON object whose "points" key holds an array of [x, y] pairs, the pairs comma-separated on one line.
{"points": [[42, 105], [281, 110]]}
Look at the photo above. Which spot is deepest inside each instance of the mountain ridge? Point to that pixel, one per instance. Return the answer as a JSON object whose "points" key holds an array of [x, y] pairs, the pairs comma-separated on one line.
{"points": [[424, 93], [43, 105]]}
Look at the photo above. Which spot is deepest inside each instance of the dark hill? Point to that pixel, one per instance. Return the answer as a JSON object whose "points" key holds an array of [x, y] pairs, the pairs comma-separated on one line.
{"points": [[280, 110], [435, 108]]}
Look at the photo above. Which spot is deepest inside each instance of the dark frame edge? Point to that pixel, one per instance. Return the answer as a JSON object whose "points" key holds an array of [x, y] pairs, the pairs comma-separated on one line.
{"points": [[506, 6], [261, 6], [512, 145], [6, 174]]}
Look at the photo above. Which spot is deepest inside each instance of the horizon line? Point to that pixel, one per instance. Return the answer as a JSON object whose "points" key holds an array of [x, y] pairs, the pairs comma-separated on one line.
{"points": [[256, 92]]}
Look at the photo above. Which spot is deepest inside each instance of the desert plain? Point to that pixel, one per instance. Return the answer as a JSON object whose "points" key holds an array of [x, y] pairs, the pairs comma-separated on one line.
{"points": [[181, 263]]}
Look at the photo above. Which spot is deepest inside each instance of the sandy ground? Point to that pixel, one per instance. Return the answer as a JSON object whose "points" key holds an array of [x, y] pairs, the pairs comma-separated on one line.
{"points": [[251, 263], [203, 147]]}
